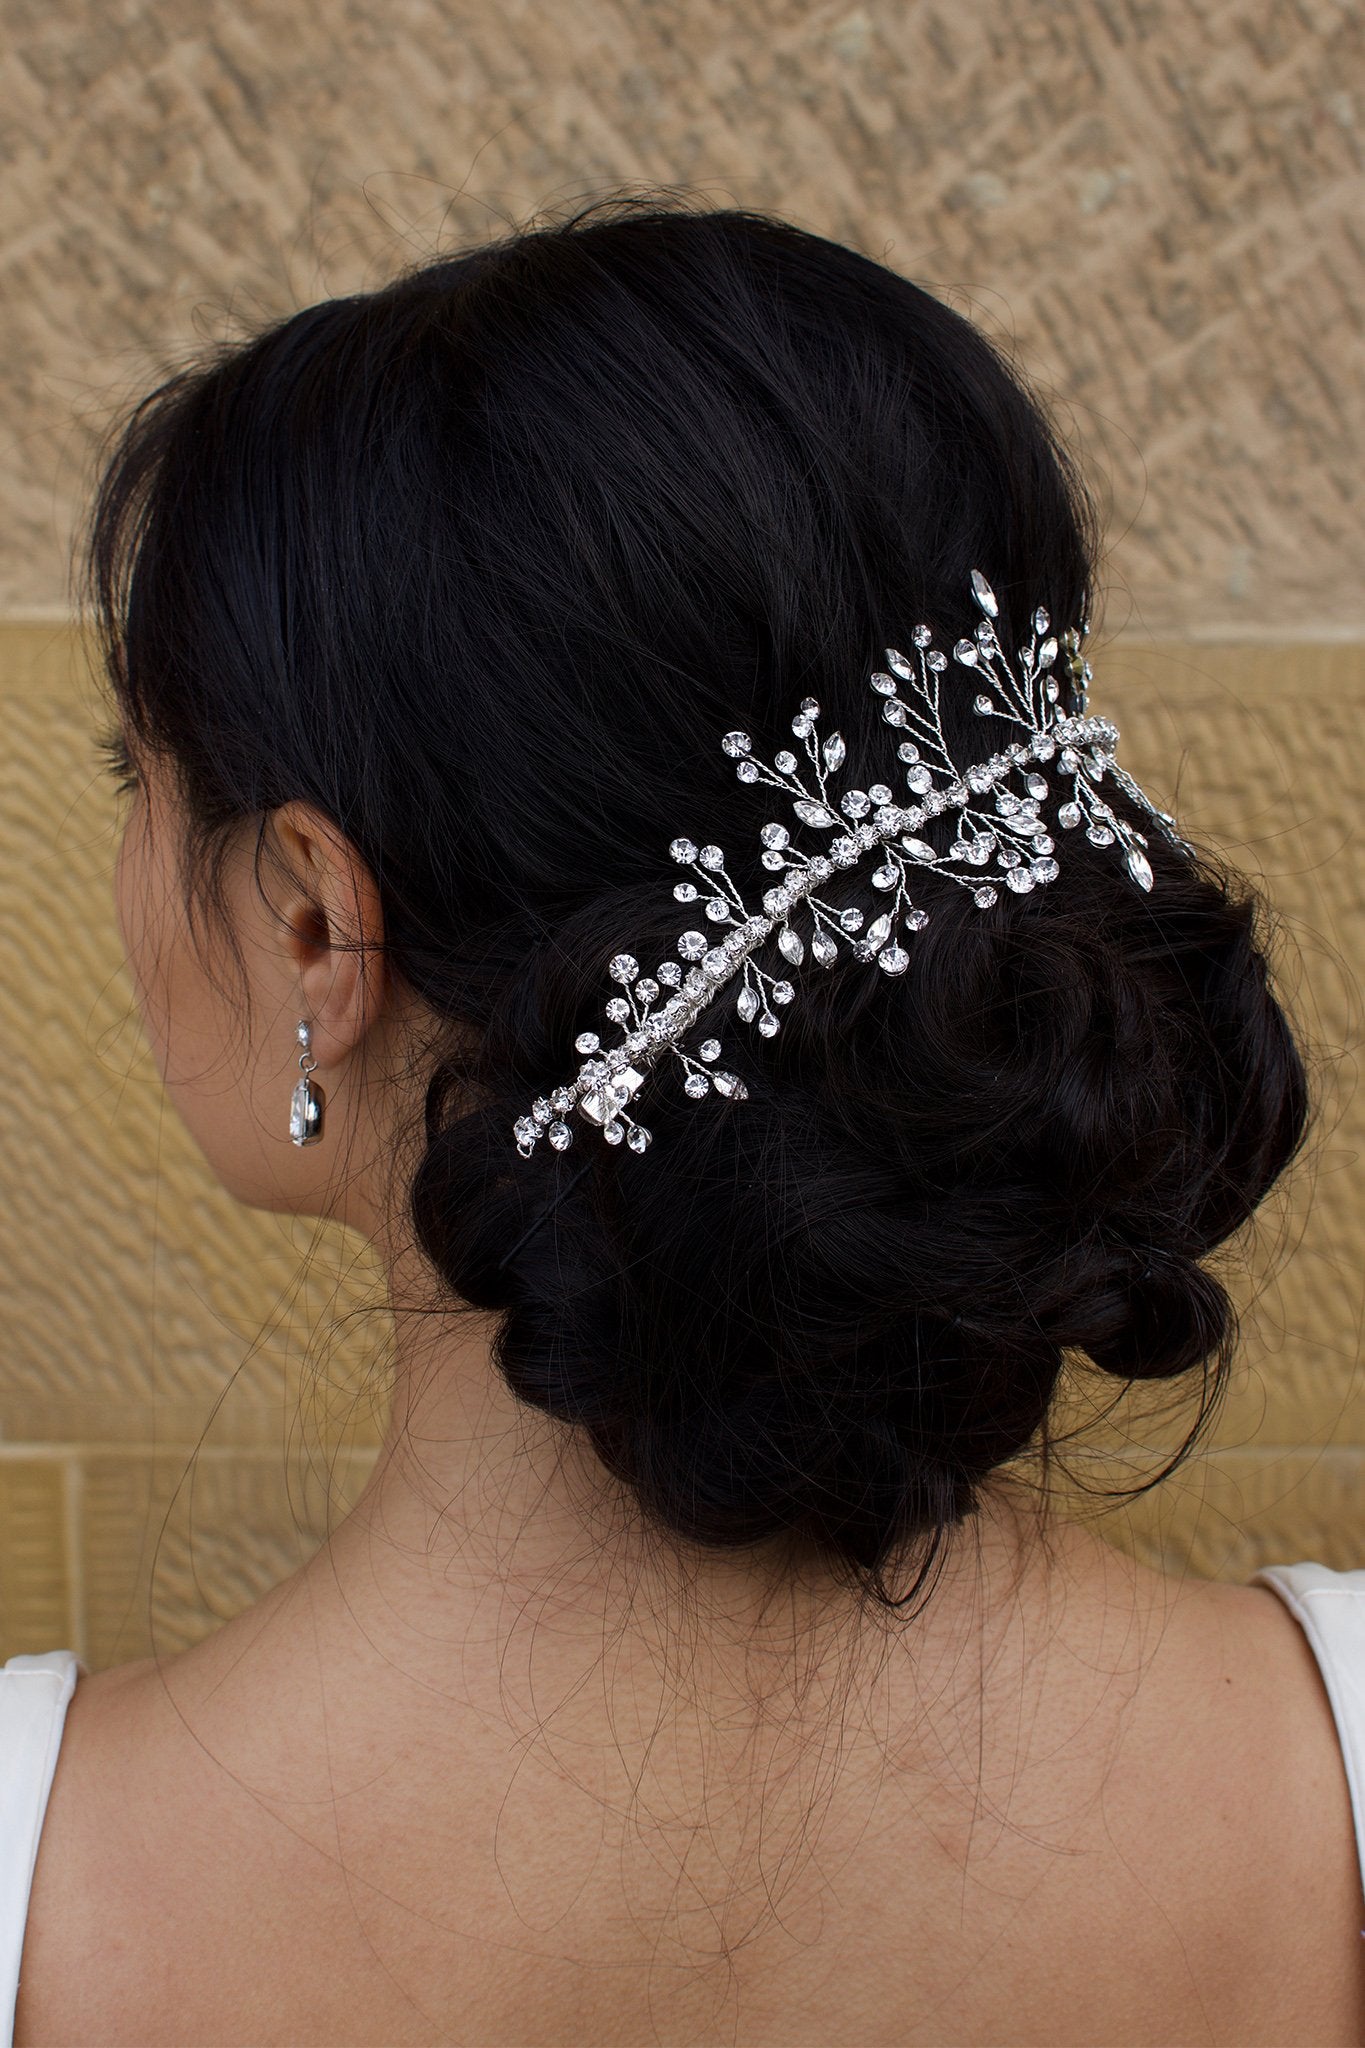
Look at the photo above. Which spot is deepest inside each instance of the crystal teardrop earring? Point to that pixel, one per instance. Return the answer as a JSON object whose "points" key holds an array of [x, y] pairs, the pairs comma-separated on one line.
{"points": [[308, 1100]]}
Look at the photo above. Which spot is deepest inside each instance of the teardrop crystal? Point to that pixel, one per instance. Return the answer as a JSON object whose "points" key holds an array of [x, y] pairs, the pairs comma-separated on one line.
{"points": [[814, 814], [834, 752], [790, 946]]}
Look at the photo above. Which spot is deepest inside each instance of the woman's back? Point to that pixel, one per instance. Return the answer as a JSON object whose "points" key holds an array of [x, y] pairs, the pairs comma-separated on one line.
{"points": [[1145, 1838]]}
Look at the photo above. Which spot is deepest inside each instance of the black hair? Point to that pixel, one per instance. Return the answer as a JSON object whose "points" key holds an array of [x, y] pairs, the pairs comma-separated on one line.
{"points": [[482, 564]]}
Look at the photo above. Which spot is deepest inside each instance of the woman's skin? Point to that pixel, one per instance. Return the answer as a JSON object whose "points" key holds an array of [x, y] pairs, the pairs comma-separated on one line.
{"points": [[496, 1768]]}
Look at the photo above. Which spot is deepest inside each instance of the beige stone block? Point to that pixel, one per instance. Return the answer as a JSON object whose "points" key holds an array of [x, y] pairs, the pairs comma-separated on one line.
{"points": [[1156, 208], [38, 1573], [174, 1542], [1225, 1515]]}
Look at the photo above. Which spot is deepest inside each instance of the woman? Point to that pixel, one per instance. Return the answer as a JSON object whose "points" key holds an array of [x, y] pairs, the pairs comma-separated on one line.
{"points": [[699, 1665]]}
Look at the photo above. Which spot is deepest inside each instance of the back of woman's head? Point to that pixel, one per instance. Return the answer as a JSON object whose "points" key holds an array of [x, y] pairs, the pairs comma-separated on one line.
{"points": [[482, 564]]}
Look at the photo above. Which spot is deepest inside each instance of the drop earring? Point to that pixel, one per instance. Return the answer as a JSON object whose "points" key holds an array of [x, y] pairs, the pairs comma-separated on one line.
{"points": [[307, 1103]]}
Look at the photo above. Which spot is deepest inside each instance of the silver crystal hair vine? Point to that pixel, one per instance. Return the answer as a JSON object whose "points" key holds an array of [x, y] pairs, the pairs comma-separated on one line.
{"points": [[1000, 839]]}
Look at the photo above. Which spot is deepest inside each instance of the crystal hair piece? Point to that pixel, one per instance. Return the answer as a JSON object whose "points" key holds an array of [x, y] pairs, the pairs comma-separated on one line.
{"points": [[1000, 839]]}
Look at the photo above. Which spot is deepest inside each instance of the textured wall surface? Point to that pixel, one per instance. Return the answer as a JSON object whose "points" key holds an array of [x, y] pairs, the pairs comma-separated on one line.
{"points": [[1157, 206], [1159, 202]]}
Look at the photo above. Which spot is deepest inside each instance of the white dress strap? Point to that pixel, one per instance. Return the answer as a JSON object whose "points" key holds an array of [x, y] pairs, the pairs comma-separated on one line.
{"points": [[1330, 1608], [34, 1693]]}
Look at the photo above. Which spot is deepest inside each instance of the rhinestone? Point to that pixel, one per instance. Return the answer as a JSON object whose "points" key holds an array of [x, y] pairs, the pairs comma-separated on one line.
{"points": [[717, 963], [1045, 870], [709, 1049], [785, 762], [768, 1026], [981, 849], [894, 712], [879, 793], [898, 664], [729, 1084], [696, 1085], [736, 743], [886, 877], [1099, 835], [783, 992], [747, 771], [613, 1132], [1041, 621], [669, 973], [966, 652], [824, 949], [624, 968], [907, 751], [747, 1004], [560, 1136], [978, 779], [646, 990], [692, 945], [919, 779], [1052, 690], [938, 662], [851, 920], [682, 849], [1071, 761], [919, 849], [984, 595], [774, 835], [879, 931], [1006, 804], [843, 853], [819, 870], [1047, 653], [1044, 747], [1043, 842], [1036, 786], [834, 752], [789, 945], [893, 959], [525, 1131], [883, 684], [984, 897], [956, 793], [637, 1137], [684, 892], [1069, 815], [802, 727], [711, 857], [1020, 880], [812, 813], [718, 910], [985, 638], [809, 707], [618, 1010], [917, 919], [774, 862], [855, 803], [561, 1099], [984, 705], [586, 1041], [1139, 867], [921, 636]]}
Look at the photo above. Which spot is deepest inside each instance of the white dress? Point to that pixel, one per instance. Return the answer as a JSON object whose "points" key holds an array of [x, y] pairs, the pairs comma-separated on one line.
{"points": [[34, 1691]]}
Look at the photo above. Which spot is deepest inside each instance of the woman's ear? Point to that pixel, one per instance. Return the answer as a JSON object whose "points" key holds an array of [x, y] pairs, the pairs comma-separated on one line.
{"points": [[332, 928]]}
